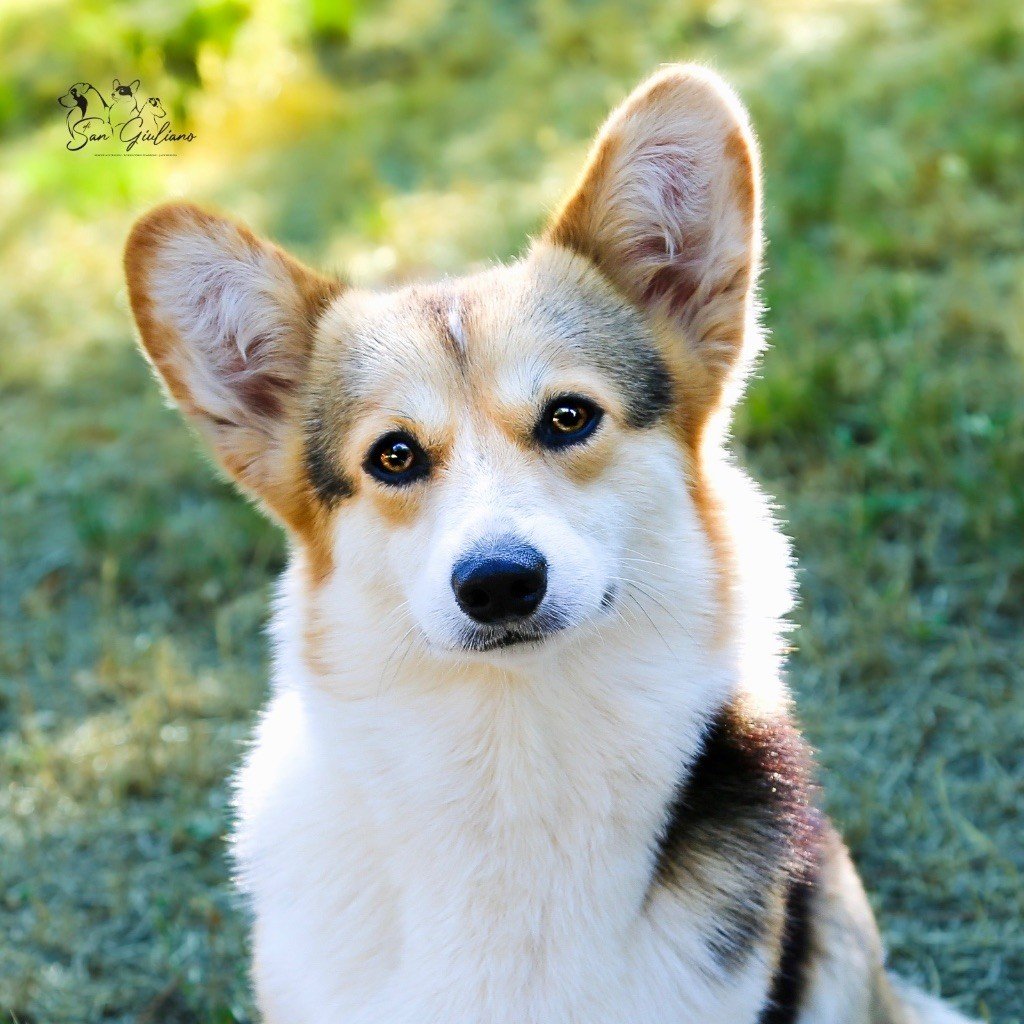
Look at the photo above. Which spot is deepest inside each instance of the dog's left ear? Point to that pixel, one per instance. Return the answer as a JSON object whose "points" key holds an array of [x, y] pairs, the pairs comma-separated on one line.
{"points": [[135, 85], [668, 208], [117, 83]]}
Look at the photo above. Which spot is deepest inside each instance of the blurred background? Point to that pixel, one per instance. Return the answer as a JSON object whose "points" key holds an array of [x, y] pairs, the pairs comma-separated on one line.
{"points": [[395, 139]]}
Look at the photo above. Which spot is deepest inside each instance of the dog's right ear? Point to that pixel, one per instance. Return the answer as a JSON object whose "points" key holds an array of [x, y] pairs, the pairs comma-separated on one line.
{"points": [[117, 83], [228, 322], [668, 208]]}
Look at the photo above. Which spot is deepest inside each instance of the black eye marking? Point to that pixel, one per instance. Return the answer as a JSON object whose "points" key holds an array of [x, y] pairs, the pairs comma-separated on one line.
{"points": [[397, 459], [567, 420], [330, 485]]}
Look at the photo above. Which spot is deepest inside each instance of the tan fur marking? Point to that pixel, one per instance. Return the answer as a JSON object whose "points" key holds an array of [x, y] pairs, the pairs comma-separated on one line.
{"points": [[588, 463], [313, 639], [696, 399], [739, 150], [572, 224], [398, 507], [713, 519]]}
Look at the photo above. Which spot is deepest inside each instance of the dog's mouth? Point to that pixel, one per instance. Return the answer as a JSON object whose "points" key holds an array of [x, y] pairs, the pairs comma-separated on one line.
{"points": [[510, 638], [528, 633], [531, 633]]}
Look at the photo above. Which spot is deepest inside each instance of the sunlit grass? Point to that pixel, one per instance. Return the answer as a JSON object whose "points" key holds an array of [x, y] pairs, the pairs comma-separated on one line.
{"points": [[411, 138]]}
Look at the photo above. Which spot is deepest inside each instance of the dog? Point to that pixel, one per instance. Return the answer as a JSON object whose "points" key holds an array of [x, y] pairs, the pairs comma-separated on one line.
{"points": [[83, 103], [153, 113], [84, 99], [124, 104], [529, 755]]}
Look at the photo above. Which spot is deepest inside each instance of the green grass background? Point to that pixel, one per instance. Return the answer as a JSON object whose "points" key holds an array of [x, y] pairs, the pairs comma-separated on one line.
{"points": [[393, 139]]}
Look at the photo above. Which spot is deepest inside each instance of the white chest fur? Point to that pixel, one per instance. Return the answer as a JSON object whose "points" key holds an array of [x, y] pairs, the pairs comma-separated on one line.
{"points": [[481, 857]]}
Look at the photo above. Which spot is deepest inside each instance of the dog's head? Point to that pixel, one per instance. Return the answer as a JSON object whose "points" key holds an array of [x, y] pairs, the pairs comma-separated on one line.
{"points": [[501, 458], [124, 92], [76, 96], [156, 107]]}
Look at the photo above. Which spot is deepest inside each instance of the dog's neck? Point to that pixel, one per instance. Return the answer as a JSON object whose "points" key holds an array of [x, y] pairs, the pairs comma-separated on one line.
{"points": [[605, 720], [538, 787]]}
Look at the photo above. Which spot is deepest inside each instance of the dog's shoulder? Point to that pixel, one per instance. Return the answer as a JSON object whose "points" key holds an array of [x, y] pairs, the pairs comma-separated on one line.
{"points": [[743, 828]]}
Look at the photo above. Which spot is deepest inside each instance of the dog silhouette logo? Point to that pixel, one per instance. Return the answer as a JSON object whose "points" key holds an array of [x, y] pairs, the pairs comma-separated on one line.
{"points": [[87, 115], [124, 105], [121, 124], [153, 112]]}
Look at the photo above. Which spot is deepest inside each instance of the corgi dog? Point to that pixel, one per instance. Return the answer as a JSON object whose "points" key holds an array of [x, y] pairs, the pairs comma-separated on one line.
{"points": [[124, 104], [529, 756]]}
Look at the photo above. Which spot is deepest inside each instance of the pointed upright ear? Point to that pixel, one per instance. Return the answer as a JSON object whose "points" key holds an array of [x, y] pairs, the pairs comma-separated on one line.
{"points": [[117, 83], [135, 85], [668, 208], [228, 322]]}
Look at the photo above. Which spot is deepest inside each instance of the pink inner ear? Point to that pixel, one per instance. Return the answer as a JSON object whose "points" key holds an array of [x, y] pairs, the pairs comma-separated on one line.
{"points": [[676, 280], [671, 260], [257, 387]]}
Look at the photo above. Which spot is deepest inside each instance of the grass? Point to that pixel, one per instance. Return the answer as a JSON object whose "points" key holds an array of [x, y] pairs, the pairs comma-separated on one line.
{"points": [[415, 137]]}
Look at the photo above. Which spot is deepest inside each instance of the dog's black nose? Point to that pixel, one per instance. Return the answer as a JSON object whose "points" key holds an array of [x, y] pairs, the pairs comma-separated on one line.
{"points": [[500, 584]]}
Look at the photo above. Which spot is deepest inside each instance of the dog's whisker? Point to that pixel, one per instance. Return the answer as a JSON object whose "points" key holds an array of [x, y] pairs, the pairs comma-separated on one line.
{"points": [[634, 559], [664, 608], [645, 591], [410, 646], [400, 609], [654, 625]]}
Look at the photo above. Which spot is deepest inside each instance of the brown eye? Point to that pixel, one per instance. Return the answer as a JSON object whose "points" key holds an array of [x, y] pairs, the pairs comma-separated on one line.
{"points": [[567, 420], [396, 459]]}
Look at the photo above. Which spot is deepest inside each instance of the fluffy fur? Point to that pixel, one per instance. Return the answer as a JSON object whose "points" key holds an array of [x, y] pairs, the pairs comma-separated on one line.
{"points": [[612, 820]]}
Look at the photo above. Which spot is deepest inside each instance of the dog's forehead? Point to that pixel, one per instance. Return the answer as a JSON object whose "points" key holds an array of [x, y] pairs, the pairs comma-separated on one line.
{"points": [[505, 334]]}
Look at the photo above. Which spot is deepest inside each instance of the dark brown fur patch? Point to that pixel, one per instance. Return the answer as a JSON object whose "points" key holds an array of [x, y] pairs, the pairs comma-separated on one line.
{"points": [[741, 826], [329, 484], [785, 997]]}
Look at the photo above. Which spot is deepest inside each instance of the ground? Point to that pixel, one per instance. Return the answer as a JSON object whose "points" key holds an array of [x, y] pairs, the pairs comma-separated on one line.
{"points": [[888, 419]]}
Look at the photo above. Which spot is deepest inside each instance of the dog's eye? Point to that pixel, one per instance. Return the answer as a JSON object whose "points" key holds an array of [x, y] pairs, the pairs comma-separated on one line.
{"points": [[567, 420], [397, 459]]}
